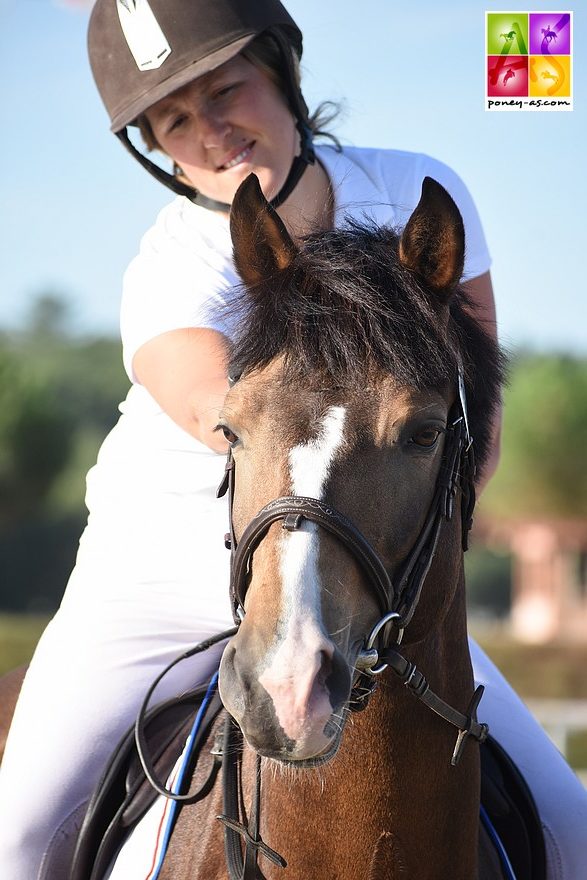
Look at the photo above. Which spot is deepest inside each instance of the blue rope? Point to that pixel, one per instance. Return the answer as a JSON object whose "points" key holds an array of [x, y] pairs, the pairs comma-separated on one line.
{"points": [[176, 788], [503, 856]]}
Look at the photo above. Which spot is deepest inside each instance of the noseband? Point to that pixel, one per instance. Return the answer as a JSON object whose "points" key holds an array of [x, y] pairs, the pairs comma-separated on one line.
{"points": [[397, 599]]}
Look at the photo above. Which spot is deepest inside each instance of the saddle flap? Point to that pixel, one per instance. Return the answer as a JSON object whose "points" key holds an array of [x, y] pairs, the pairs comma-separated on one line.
{"points": [[167, 734], [123, 795], [512, 811]]}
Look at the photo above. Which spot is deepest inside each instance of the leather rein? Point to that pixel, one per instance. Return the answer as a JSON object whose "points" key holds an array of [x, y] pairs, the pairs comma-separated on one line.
{"points": [[397, 600]]}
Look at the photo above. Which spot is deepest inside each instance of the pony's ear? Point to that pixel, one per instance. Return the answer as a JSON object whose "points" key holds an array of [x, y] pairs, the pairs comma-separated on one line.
{"points": [[433, 241], [262, 245]]}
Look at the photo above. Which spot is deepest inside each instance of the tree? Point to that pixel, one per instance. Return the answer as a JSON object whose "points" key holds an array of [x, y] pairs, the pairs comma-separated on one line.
{"points": [[35, 439], [543, 469]]}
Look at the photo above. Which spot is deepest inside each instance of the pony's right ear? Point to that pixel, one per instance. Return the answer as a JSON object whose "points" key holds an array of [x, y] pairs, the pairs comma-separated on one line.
{"points": [[262, 244], [433, 242]]}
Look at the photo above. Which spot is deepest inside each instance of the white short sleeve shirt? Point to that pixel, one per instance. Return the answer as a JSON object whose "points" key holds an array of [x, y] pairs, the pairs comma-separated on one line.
{"points": [[183, 275]]}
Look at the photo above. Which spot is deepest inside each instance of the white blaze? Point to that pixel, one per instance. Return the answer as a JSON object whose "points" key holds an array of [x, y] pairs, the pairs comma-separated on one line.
{"points": [[296, 661], [309, 465]]}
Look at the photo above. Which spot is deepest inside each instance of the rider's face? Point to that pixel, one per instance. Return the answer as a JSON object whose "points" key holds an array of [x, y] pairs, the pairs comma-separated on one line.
{"points": [[224, 125]]}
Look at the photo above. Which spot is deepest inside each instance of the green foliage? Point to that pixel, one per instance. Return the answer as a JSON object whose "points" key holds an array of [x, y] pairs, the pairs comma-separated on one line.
{"points": [[542, 470], [488, 579], [59, 397], [35, 437], [552, 671]]}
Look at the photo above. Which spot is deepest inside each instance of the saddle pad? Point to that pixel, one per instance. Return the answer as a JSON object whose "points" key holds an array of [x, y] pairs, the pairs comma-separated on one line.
{"points": [[141, 855], [512, 813], [123, 796]]}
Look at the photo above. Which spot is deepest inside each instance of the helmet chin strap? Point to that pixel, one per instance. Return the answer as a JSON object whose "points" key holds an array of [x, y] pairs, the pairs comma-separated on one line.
{"points": [[299, 165]]}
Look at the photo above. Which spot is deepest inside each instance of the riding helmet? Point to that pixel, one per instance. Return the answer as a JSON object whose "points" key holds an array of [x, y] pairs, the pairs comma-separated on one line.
{"points": [[143, 50]]}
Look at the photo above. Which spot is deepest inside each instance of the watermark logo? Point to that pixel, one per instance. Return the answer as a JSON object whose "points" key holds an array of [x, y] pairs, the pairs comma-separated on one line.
{"points": [[528, 60]]}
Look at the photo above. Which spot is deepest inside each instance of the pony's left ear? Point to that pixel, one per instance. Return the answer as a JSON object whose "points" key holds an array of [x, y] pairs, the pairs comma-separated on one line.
{"points": [[433, 241], [262, 244]]}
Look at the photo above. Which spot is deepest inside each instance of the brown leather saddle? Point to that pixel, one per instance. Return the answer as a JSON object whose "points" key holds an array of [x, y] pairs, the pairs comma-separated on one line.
{"points": [[124, 795]]}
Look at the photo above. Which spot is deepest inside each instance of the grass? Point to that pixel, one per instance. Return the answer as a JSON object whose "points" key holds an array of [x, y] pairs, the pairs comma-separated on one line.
{"points": [[552, 671]]}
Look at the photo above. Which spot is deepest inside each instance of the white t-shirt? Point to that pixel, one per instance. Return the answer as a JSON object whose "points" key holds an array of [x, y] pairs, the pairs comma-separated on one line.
{"points": [[184, 268]]}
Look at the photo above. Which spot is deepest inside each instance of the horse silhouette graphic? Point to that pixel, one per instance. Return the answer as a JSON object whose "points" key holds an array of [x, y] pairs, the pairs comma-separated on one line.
{"points": [[549, 35], [509, 36], [509, 75], [546, 74]]}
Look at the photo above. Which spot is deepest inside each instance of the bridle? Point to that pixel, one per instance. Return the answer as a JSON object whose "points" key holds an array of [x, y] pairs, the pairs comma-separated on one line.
{"points": [[397, 599]]}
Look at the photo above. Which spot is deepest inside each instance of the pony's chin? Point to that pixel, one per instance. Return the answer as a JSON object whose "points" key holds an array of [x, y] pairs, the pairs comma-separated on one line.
{"points": [[304, 756]]}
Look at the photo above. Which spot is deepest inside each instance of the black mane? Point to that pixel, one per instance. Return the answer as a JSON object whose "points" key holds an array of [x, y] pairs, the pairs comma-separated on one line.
{"points": [[346, 309]]}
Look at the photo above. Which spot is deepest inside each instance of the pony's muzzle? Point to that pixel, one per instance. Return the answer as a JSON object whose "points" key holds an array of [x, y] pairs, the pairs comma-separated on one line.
{"points": [[293, 708]]}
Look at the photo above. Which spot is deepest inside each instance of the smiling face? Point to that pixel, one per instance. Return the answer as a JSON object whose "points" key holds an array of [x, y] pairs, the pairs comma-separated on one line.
{"points": [[225, 125]]}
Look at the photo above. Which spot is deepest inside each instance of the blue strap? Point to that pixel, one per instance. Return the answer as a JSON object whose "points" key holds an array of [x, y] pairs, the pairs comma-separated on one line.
{"points": [[503, 856], [176, 787]]}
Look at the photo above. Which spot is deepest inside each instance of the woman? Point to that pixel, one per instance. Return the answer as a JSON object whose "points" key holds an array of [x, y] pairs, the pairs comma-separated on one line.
{"points": [[215, 87]]}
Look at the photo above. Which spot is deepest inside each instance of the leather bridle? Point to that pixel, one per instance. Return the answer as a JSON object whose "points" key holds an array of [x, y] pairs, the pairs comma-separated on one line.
{"points": [[397, 600], [400, 597]]}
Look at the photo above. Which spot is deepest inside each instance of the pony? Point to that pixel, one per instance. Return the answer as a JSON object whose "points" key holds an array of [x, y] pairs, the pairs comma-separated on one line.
{"points": [[360, 377]]}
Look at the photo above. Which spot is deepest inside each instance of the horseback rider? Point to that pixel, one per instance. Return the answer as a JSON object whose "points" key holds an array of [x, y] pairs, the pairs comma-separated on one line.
{"points": [[214, 89]]}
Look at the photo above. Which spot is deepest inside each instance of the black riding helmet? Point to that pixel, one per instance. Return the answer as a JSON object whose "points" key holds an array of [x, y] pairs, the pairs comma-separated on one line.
{"points": [[143, 50]]}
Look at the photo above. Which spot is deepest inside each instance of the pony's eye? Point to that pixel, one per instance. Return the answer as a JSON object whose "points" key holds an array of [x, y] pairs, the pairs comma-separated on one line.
{"points": [[229, 435], [427, 438]]}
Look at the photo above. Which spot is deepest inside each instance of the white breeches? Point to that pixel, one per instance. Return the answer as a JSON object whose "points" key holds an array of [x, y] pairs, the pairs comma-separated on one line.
{"points": [[150, 581], [152, 585], [559, 795]]}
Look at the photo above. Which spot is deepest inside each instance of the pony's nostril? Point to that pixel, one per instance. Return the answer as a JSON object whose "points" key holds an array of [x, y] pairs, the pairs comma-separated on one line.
{"points": [[325, 668], [338, 681]]}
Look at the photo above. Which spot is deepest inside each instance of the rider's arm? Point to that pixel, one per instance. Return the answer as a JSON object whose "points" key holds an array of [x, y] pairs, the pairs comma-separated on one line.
{"points": [[480, 291], [186, 372]]}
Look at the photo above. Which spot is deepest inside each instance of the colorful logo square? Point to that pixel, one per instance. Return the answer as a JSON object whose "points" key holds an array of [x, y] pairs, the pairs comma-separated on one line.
{"points": [[550, 33], [550, 75], [507, 76], [528, 60], [507, 32]]}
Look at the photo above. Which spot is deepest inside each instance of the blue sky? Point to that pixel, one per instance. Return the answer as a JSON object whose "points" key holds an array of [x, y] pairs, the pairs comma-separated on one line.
{"points": [[74, 205]]}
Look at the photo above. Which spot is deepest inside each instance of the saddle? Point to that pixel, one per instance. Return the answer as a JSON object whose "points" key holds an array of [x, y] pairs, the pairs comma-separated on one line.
{"points": [[124, 795], [511, 812]]}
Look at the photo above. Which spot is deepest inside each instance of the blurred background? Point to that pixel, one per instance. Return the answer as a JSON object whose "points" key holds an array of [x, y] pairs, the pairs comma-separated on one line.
{"points": [[74, 207]]}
